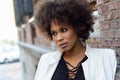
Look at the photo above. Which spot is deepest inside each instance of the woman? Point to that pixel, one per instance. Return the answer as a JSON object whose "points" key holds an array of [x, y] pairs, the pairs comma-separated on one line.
{"points": [[68, 23]]}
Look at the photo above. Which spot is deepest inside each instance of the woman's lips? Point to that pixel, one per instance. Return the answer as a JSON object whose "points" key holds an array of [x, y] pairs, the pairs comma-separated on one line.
{"points": [[63, 45]]}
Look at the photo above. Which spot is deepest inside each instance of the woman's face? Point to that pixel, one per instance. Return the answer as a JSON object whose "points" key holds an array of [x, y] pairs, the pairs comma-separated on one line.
{"points": [[64, 36]]}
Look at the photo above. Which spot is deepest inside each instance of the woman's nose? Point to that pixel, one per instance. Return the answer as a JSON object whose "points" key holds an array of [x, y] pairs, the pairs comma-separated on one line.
{"points": [[59, 37]]}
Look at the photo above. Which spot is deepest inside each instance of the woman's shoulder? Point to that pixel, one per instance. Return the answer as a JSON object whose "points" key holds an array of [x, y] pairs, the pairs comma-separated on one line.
{"points": [[103, 60], [48, 55], [102, 51], [105, 55]]}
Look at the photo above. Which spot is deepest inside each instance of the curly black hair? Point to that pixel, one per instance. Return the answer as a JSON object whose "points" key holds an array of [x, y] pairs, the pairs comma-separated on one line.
{"points": [[76, 13]]}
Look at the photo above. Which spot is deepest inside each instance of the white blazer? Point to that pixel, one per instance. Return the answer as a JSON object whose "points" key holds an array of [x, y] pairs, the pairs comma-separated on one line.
{"points": [[100, 65]]}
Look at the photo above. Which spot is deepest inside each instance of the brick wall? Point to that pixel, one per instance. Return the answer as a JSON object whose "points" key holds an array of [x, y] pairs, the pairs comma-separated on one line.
{"points": [[109, 11], [110, 23], [94, 42]]}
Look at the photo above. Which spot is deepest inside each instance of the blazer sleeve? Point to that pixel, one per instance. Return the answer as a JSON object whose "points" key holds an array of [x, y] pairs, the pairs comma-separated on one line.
{"points": [[114, 63], [110, 64], [39, 68]]}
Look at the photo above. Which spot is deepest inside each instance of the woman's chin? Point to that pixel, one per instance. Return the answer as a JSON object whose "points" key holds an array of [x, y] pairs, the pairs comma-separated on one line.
{"points": [[64, 49]]}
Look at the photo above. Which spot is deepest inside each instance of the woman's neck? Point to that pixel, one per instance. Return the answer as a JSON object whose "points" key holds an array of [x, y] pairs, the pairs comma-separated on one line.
{"points": [[75, 55], [77, 51]]}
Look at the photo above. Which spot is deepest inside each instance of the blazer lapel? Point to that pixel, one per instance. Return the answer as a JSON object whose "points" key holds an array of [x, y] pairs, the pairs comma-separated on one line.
{"points": [[53, 64]]}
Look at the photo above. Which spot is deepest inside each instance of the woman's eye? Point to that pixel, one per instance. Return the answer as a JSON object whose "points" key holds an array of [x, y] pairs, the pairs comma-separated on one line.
{"points": [[64, 30], [53, 33]]}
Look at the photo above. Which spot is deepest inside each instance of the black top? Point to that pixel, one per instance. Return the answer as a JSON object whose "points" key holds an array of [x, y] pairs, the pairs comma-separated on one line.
{"points": [[61, 72]]}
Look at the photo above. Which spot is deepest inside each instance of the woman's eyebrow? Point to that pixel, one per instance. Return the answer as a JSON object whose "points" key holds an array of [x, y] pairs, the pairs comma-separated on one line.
{"points": [[61, 27], [52, 30], [64, 27]]}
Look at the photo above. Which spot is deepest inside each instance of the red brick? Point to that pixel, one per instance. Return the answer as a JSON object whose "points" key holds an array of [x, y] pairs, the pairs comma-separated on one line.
{"points": [[96, 45], [99, 2], [103, 9], [112, 6], [117, 4], [91, 40], [116, 43], [114, 25], [117, 34], [103, 34], [108, 7], [105, 26], [102, 17], [94, 42], [110, 34], [97, 40], [108, 43], [105, 1], [116, 14], [109, 16], [103, 42]]}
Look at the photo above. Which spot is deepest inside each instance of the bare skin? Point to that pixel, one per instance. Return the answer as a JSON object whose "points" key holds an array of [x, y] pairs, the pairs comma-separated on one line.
{"points": [[67, 40]]}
